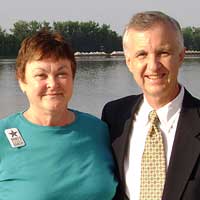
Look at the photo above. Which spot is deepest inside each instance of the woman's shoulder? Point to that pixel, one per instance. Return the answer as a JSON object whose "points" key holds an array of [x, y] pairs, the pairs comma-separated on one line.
{"points": [[9, 120], [85, 114], [87, 117], [7, 124], [91, 125]]}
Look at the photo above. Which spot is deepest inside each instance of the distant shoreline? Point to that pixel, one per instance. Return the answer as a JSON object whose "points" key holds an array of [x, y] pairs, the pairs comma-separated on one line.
{"points": [[190, 53], [118, 54]]}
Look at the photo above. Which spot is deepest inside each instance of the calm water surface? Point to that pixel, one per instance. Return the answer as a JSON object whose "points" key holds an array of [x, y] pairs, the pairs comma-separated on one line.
{"points": [[98, 80]]}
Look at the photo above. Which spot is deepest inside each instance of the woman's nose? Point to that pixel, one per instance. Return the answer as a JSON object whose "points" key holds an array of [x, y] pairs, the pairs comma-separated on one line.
{"points": [[52, 82]]}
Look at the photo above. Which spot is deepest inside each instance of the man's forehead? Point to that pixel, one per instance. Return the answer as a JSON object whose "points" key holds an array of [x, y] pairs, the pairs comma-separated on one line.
{"points": [[161, 25]]}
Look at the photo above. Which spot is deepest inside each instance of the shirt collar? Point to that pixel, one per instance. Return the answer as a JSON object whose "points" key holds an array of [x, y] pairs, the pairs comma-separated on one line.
{"points": [[164, 113], [167, 112], [144, 111]]}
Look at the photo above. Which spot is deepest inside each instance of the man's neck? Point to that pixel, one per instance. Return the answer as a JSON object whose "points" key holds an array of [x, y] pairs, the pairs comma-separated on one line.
{"points": [[159, 101]]}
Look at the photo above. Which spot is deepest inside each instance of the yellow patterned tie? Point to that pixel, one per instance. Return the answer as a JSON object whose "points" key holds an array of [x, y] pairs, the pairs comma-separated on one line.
{"points": [[153, 169]]}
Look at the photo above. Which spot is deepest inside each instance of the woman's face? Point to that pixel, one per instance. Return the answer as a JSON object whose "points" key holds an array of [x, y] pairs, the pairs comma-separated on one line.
{"points": [[48, 84]]}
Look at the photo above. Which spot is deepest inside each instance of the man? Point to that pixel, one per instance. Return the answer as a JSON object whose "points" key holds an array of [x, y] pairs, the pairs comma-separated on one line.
{"points": [[154, 51]]}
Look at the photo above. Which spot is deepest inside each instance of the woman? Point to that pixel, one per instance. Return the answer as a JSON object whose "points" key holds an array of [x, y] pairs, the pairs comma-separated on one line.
{"points": [[49, 152]]}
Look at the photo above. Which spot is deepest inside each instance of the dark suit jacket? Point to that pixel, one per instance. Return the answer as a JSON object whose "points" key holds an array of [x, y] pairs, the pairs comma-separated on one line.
{"points": [[183, 175]]}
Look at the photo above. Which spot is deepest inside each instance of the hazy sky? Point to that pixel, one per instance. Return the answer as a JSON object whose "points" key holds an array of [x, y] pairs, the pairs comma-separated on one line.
{"points": [[116, 13]]}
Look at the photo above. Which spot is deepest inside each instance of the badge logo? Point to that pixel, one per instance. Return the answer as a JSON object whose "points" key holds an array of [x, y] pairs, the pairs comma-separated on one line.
{"points": [[14, 137]]}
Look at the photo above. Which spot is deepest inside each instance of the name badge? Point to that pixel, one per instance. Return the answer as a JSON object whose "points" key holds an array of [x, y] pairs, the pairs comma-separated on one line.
{"points": [[14, 137]]}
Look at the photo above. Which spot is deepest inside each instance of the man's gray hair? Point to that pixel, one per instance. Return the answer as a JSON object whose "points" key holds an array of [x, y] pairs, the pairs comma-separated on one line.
{"points": [[145, 20]]}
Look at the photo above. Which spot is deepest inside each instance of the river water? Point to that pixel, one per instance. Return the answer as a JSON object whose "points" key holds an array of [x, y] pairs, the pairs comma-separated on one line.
{"points": [[98, 80]]}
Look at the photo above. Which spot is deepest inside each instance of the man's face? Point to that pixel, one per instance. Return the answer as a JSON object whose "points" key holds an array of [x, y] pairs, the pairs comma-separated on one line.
{"points": [[153, 57]]}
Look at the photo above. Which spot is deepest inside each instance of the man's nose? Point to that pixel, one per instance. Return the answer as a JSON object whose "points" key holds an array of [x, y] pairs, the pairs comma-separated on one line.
{"points": [[153, 63]]}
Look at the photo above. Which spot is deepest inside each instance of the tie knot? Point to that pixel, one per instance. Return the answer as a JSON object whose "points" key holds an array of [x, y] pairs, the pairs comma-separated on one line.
{"points": [[153, 117]]}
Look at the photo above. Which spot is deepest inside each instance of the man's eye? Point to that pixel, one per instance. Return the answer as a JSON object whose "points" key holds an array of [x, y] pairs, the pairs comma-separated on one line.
{"points": [[141, 55], [164, 53], [63, 74]]}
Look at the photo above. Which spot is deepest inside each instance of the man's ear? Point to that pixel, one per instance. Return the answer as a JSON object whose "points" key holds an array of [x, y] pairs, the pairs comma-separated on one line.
{"points": [[128, 62], [182, 55]]}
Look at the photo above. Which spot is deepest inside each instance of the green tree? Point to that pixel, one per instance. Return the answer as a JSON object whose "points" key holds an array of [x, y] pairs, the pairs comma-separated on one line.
{"points": [[188, 37], [89, 36], [2, 40], [83, 36], [191, 38], [109, 39], [20, 30], [196, 38]]}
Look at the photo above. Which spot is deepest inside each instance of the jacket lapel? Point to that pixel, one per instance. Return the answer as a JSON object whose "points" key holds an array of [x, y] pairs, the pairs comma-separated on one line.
{"points": [[121, 144], [186, 149]]}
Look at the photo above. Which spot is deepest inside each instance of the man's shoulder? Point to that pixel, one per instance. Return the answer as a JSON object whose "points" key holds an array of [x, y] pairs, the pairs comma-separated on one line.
{"points": [[127, 101], [120, 108], [190, 101], [116, 112]]}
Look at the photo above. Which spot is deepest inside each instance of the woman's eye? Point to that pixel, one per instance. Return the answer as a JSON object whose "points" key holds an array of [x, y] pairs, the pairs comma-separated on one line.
{"points": [[40, 76]]}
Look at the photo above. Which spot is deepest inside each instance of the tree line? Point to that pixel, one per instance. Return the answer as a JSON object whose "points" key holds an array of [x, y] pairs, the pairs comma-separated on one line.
{"points": [[191, 38], [83, 36]]}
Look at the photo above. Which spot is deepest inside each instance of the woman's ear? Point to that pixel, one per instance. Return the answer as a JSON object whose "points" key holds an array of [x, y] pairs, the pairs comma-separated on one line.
{"points": [[22, 85]]}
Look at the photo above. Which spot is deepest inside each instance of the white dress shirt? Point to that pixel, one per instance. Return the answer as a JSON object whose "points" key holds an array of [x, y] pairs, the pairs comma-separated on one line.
{"points": [[168, 116]]}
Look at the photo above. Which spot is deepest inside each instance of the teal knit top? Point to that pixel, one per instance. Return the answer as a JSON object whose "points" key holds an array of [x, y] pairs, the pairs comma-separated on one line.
{"points": [[72, 162]]}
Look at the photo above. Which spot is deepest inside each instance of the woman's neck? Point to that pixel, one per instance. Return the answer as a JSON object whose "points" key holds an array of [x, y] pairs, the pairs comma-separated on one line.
{"points": [[49, 118]]}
